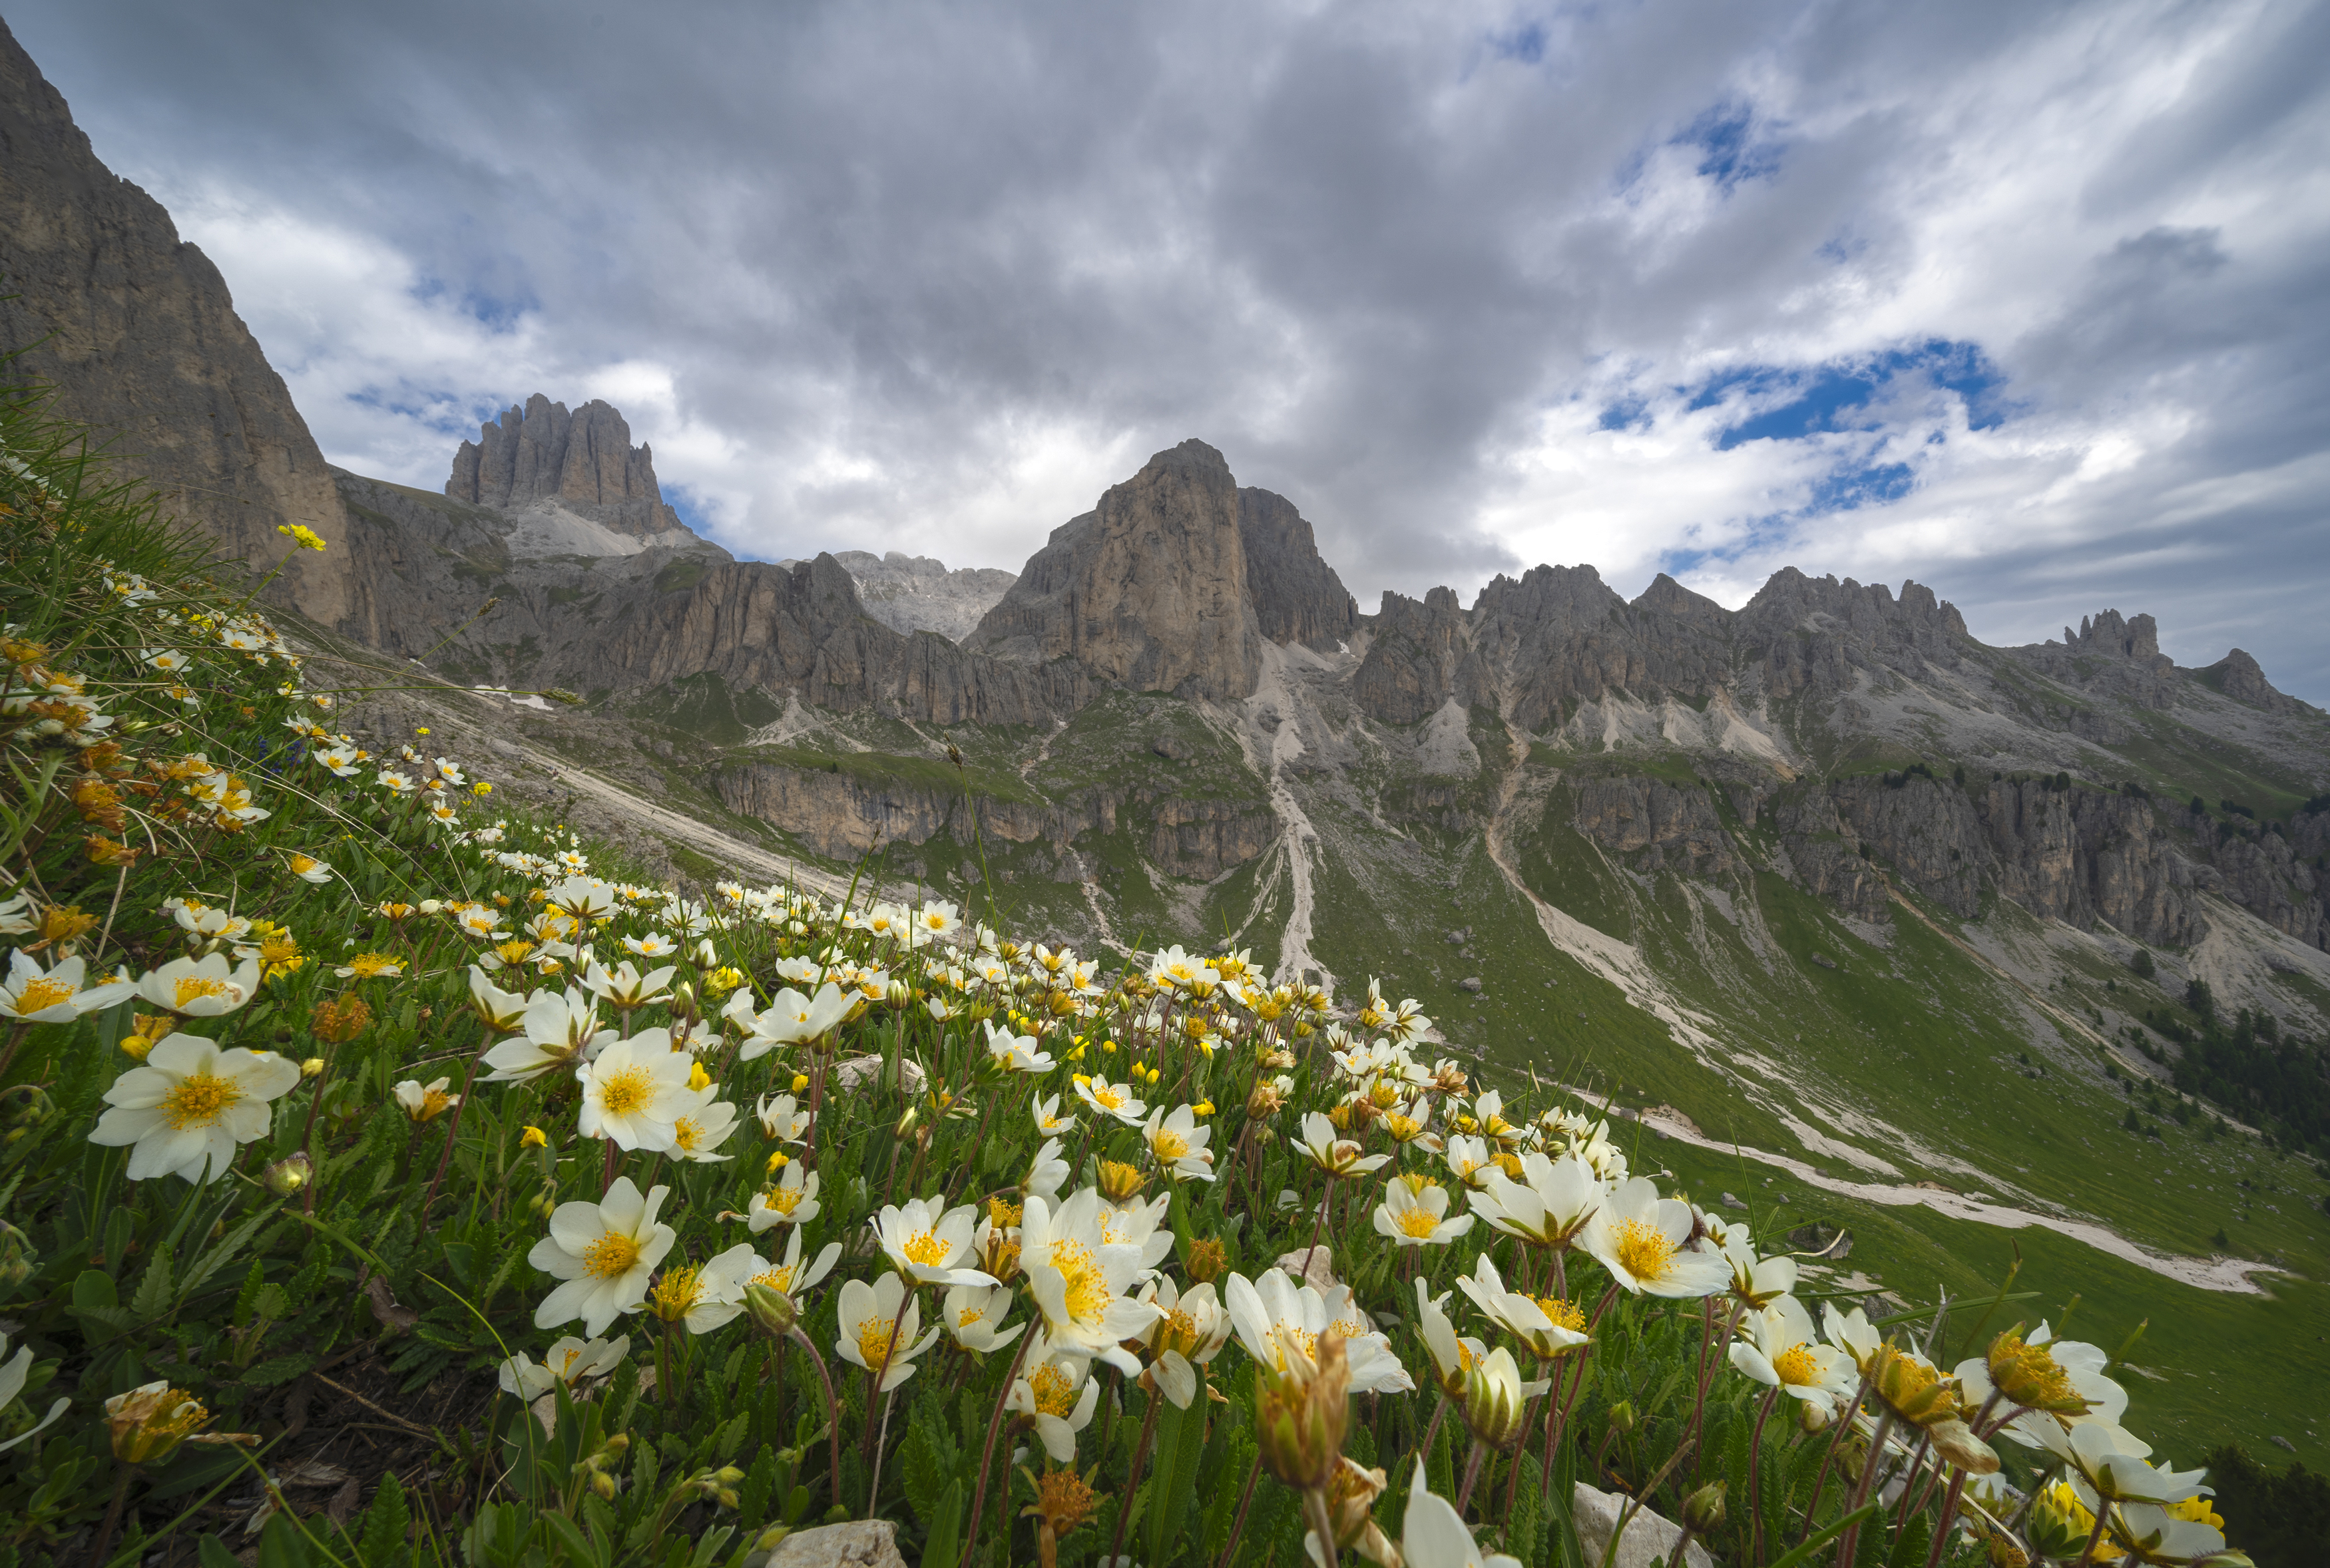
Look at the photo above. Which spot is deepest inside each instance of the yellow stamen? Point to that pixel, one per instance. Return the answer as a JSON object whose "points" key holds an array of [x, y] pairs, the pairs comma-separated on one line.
{"points": [[42, 994], [622, 1093], [1644, 1250], [1795, 1366], [612, 1254], [195, 988], [1054, 1393], [875, 1337], [199, 1100], [925, 1249]]}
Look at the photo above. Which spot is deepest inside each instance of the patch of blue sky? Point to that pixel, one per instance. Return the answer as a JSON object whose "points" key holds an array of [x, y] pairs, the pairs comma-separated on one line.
{"points": [[1837, 395], [690, 507], [1525, 43], [445, 412], [493, 312], [1729, 150]]}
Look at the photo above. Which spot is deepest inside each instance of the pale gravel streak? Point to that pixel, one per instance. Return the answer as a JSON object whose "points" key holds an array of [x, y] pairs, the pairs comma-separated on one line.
{"points": [[2227, 1275], [1296, 837]]}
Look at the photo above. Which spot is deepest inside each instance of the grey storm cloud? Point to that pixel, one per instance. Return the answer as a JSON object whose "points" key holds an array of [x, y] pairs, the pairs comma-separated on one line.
{"points": [[2026, 301]]}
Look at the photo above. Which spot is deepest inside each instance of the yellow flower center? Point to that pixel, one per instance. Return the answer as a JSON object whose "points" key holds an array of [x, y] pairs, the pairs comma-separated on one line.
{"points": [[779, 1279], [785, 1200], [687, 1134], [1644, 1250], [1002, 1212], [1108, 1098], [676, 1292], [969, 1316], [1055, 1395], [367, 966], [1419, 1222], [1169, 1146], [1087, 1287], [629, 1089], [925, 1249], [612, 1254], [875, 1337], [1795, 1366], [565, 1367], [195, 988], [1563, 1314], [41, 994], [199, 1099]]}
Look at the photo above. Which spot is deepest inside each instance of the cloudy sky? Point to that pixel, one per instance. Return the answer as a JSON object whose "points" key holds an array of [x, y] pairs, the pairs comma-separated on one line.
{"points": [[2029, 302]]}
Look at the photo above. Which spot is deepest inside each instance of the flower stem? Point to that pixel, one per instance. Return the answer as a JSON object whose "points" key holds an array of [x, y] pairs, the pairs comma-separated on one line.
{"points": [[832, 1409], [1868, 1469], [987, 1459], [1755, 1477], [1132, 1477]]}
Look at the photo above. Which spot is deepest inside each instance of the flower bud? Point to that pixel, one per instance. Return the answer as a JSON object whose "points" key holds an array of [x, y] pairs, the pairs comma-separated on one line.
{"points": [[1494, 1400], [313, 1067], [1302, 1424], [1118, 1183], [1812, 1418], [289, 1175], [1956, 1443], [1622, 1417], [683, 997], [29, 1105], [1206, 1259], [1702, 1511], [136, 1046], [534, 1137], [1916, 1392], [17, 1258], [772, 1312]]}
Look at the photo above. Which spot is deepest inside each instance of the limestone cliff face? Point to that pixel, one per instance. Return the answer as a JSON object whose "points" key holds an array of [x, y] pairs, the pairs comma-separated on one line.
{"points": [[1657, 826], [583, 459], [144, 345], [1297, 597], [1542, 644], [1148, 590], [842, 815], [911, 593]]}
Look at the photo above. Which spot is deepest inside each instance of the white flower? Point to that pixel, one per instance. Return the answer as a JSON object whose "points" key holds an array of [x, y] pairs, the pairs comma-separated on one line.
{"points": [[1641, 1238], [1756, 1281], [1279, 1322], [1414, 1218], [634, 1096], [1549, 1204], [1017, 1053], [1049, 1173], [1115, 1100], [1434, 1533], [1852, 1333], [1079, 1279], [793, 1017], [2083, 1368], [1452, 1357], [557, 1030], [624, 986], [926, 1245], [1059, 1396], [425, 1103], [14, 1373], [569, 1361], [604, 1253], [709, 1296], [1331, 1152], [792, 1201], [189, 1104], [790, 1277], [1780, 1350], [782, 1119], [1468, 1162], [1528, 1318], [703, 1125], [1178, 1144], [654, 945], [974, 1314], [200, 988], [1048, 1119], [938, 919], [2109, 1464], [876, 1332], [1191, 1331], [39, 995]]}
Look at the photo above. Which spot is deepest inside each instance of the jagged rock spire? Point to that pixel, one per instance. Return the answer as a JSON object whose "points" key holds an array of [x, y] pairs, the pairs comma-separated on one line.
{"points": [[583, 461]]}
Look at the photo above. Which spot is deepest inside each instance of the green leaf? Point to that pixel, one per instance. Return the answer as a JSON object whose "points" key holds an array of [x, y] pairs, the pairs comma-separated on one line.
{"points": [[220, 1256], [215, 1554], [152, 1299], [386, 1524], [944, 1544], [280, 1544], [1803, 1551]]}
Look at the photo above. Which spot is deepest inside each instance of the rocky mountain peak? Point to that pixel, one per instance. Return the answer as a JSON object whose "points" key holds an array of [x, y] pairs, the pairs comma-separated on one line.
{"points": [[2137, 637], [582, 462], [136, 331], [911, 594], [2241, 677], [1172, 583]]}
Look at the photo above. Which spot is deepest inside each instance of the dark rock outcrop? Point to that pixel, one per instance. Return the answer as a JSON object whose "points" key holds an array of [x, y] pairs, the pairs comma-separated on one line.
{"points": [[1657, 826], [134, 329], [1297, 597], [2238, 675], [583, 461]]}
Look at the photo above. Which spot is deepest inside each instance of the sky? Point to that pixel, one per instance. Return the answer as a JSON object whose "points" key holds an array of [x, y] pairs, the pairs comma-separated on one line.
{"points": [[2028, 302]]}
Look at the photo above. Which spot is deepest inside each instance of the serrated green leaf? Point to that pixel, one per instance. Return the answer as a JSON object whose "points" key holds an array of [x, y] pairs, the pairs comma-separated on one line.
{"points": [[152, 1297], [278, 1369], [221, 1255]]}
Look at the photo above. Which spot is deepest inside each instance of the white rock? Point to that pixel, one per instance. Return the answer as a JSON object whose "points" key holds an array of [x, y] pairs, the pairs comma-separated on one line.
{"points": [[1320, 1275], [859, 1071], [1649, 1537], [858, 1543]]}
